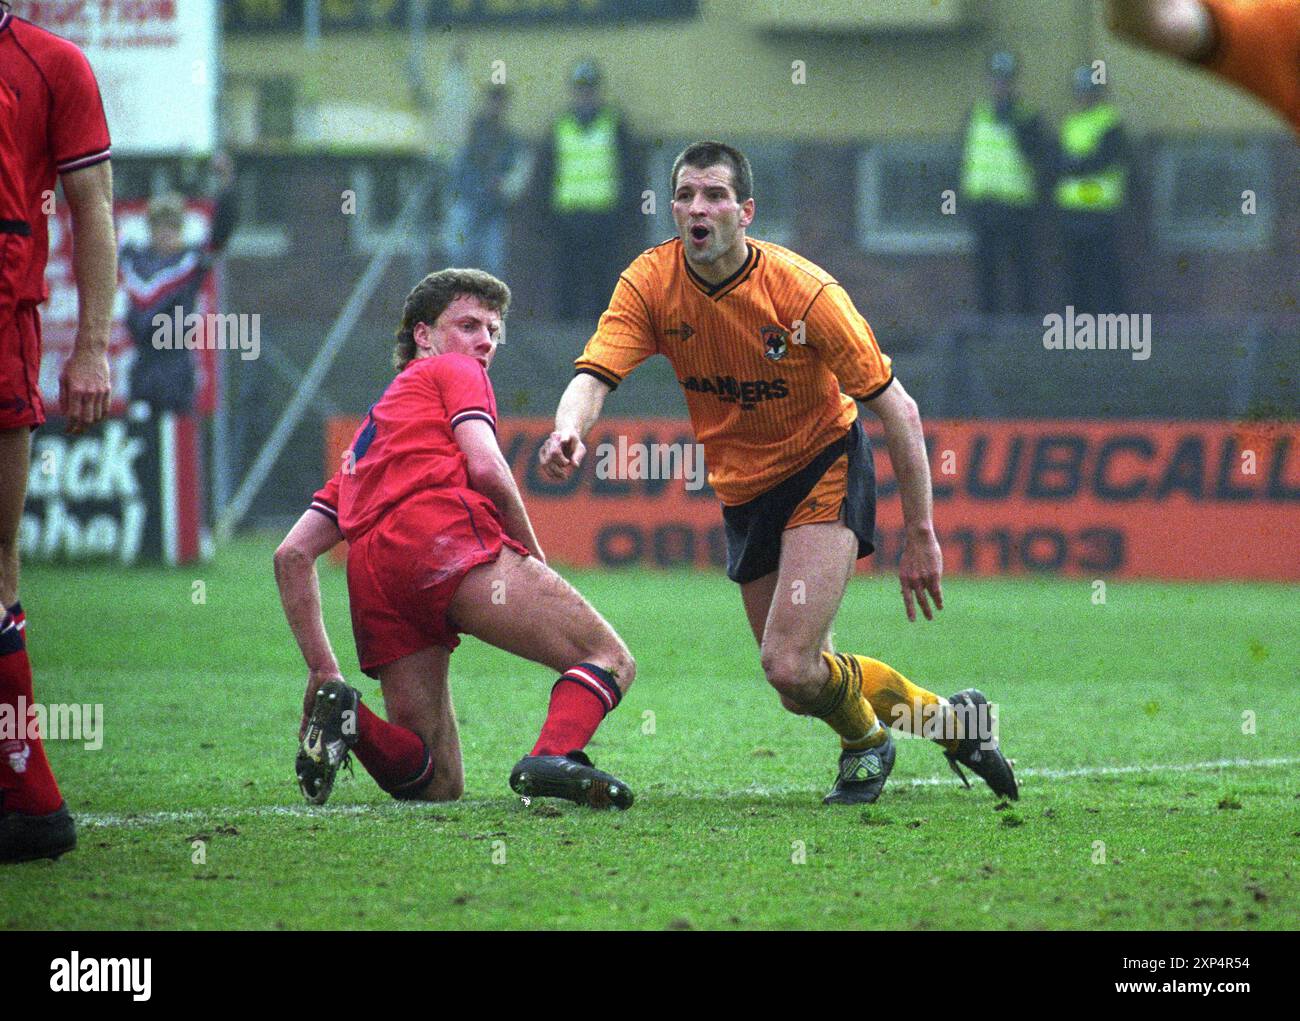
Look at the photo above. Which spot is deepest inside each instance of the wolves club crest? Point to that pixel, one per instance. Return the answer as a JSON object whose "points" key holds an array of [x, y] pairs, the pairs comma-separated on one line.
{"points": [[774, 342]]}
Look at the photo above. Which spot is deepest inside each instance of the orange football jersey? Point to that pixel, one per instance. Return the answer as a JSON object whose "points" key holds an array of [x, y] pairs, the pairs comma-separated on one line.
{"points": [[1258, 48], [770, 359]]}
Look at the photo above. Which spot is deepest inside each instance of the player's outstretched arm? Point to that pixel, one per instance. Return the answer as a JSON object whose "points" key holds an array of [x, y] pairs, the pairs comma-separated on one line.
{"points": [[563, 451], [920, 570], [1181, 28], [84, 389], [295, 574], [489, 473]]}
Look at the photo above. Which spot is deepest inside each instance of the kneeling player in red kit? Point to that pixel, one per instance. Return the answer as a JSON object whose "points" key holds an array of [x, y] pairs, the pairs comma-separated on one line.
{"points": [[440, 543]]}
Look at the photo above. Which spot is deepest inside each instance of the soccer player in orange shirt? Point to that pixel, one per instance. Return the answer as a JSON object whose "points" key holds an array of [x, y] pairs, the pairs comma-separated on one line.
{"points": [[773, 357], [1256, 45]]}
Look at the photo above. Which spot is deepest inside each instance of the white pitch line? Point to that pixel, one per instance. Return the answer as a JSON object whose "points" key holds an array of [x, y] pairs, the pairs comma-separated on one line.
{"points": [[219, 815]]}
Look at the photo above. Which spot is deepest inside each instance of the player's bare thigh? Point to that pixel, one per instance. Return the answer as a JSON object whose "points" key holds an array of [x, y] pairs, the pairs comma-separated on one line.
{"points": [[757, 597], [520, 605], [417, 696], [815, 567], [15, 461]]}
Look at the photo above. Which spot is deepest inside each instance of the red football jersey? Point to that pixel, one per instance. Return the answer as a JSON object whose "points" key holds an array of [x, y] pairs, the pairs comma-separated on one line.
{"points": [[13, 197], [15, 231], [406, 446], [61, 125]]}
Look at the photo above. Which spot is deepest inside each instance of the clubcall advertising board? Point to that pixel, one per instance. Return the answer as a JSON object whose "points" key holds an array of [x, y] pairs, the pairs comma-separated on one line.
{"points": [[1134, 499]]}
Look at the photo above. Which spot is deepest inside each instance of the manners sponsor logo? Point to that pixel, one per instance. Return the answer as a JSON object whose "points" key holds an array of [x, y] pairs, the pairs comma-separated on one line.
{"points": [[75, 974], [730, 390]]}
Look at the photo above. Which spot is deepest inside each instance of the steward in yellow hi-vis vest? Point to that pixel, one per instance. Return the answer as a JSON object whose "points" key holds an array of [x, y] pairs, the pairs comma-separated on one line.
{"points": [[587, 176], [1090, 194], [1002, 152], [774, 359]]}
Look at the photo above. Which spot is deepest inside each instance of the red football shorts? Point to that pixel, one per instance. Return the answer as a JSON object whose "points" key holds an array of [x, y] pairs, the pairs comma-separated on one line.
{"points": [[403, 573], [20, 360]]}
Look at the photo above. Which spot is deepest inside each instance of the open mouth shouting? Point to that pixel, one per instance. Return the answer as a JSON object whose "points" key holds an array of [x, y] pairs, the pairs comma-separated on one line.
{"points": [[699, 235]]}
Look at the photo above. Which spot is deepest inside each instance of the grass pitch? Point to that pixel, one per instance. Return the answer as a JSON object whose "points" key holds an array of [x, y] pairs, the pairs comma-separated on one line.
{"points": [[1154, 734]]}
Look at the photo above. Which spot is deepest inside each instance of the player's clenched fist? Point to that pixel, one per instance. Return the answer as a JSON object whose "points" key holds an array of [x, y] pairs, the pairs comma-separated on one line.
{"points": [[561, 454]]}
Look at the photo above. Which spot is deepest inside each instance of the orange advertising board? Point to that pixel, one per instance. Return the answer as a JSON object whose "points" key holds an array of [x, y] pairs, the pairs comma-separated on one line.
{"points": [[1179, 500]]}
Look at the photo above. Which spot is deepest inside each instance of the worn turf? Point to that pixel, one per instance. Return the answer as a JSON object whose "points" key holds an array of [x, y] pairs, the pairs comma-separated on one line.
{"points": [[1155, 735]]}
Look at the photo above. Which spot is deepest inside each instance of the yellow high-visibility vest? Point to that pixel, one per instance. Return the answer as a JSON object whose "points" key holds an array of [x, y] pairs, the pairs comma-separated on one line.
{"points": [[994, 168], [1081, 134], [586, 164]]}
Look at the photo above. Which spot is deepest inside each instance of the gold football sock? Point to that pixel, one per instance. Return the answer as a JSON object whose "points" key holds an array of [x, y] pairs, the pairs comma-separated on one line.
{"points": [[900, 703], [842, 705]]}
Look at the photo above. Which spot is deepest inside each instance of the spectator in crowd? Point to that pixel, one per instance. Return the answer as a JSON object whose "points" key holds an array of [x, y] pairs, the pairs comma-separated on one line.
{"points": [[487, 178], [163, 276], [1091, 189], [586, 166], [1004, 153]]}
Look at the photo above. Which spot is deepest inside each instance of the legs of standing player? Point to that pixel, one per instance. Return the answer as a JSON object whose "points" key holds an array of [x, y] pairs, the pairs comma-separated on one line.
{"points": [[896, 701], [15, 462], [790, 612], [33, 820], [815, 564]]}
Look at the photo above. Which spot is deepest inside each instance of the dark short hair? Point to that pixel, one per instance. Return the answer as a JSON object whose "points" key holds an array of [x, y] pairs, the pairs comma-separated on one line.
{"points": [[707, 154], [431, 296]]}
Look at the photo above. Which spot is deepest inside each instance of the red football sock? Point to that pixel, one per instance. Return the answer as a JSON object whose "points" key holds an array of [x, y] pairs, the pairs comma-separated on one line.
{"points": [[579, 701], [26, 782], [394, 756]]}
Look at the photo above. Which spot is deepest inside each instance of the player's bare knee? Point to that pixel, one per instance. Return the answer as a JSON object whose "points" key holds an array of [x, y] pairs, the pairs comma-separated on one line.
{"points": [[791, 675], [622, 665], [611, 653]]}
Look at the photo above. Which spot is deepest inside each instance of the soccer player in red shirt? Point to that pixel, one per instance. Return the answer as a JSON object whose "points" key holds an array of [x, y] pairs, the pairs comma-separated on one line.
{"points": [[440, 543], [58, 133]]}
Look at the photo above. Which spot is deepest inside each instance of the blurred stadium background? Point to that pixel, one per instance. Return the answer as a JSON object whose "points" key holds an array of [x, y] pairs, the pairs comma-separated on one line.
{"points": [[342, 115]]}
